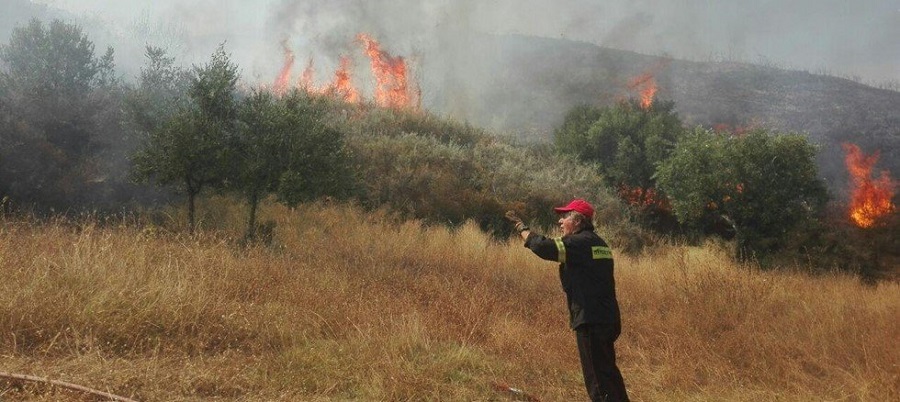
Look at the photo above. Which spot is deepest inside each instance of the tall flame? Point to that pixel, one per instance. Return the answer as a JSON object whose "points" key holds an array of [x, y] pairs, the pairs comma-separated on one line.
{"points": [[645, 84], [870, 199], [391, 81], [284, 76], [306, 79], [342, 87], [391, 73]]}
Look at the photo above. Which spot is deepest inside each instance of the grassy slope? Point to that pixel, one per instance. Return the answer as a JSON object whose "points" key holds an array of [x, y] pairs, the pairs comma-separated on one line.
{"points": [[348, 305]]}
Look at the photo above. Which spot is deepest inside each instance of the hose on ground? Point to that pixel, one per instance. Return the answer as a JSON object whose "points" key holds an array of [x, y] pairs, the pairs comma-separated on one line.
{"points": [[76, 387]]}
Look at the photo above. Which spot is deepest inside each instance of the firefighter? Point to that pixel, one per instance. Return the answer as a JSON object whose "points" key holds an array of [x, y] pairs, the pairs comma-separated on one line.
{"points": [[586, 273]]}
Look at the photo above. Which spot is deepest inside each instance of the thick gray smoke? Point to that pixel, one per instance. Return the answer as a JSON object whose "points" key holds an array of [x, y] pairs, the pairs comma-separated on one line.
{"points": [[448, 42], [519, 65], [837, 36]]}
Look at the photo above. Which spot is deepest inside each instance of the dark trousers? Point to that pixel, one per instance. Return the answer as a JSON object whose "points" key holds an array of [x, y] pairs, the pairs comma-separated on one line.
{"points": [[598, 362]]}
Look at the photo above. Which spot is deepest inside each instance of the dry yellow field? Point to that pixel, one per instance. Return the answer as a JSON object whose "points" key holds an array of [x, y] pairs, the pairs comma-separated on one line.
{"points": [[347, 305]]}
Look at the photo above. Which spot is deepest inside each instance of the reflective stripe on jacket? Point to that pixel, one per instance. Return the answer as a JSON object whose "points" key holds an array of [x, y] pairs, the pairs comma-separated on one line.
{"points": [[586, 274]]}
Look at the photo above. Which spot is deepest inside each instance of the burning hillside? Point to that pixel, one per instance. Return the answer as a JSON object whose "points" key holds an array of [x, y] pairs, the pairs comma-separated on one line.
{"points": [[521, 84], [391, 76], [393, 87]]}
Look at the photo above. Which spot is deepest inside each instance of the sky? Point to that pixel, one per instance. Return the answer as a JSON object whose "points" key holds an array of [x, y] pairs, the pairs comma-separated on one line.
{"points": [[845, 38]]}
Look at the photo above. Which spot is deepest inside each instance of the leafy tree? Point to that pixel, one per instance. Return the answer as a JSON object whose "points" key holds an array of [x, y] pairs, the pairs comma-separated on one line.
{"points": [[51, 78], [319, 163], [285, 148], [262, 136], [194, 149], [59, 100], [213, 89], [159, 95], [762, 185], [572, 136], [161, 92], [626, 141]]}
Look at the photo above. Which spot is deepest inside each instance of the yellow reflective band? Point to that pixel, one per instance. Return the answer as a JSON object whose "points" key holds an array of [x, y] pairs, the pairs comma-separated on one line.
{"points": [[562, 250], [601, 253]]}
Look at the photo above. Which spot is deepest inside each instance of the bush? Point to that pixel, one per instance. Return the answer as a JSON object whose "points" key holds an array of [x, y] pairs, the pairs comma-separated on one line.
{"points": [[832, 243], [448, 183], [626, 142], [763, 185], [58, 119]]}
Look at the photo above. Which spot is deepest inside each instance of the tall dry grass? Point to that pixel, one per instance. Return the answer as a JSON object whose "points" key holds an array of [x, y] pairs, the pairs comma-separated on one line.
{"points": [[352, 305]]}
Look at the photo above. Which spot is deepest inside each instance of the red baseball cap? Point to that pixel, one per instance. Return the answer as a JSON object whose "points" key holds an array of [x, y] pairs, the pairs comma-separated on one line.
{"points": [[577, 205]]}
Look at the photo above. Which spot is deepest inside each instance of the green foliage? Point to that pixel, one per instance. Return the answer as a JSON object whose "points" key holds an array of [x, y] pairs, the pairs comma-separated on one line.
{"points": [[283, 147], [446, 172], [572, 136], [54, 61], [539, 179], [195, 148], [59, 105], [421, 177], [212, 88], [762, 184], [391, 122], [448, 183], [833, 243], [692, 176], [161, 92], [626, 141], [317, 154], [185, 151]]}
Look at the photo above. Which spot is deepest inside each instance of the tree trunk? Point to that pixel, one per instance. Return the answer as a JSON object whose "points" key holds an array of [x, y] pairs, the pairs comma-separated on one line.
{"points": [[253, 200], [192, 195], [740, 249]]}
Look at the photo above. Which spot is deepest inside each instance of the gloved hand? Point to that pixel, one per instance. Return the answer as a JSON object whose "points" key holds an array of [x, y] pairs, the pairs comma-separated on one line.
{"points": [[512, 217]]}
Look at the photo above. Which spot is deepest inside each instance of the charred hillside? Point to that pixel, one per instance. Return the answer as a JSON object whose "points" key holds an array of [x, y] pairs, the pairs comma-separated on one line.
{"points": [[534, 81], [830, 110]]}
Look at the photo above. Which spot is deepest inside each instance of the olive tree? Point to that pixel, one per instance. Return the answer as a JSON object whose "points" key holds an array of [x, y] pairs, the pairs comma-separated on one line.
{"points": [[285, 148], [194, 149], [161, 91], [763, 185], [59, 106], [626, 141]]}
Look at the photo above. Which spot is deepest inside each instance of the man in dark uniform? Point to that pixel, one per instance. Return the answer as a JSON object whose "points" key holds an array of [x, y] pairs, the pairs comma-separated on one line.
{"points": [[586, 273]]}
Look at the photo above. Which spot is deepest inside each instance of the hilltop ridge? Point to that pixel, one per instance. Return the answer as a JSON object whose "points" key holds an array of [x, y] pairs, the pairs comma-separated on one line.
{"points": [[534, 81]]}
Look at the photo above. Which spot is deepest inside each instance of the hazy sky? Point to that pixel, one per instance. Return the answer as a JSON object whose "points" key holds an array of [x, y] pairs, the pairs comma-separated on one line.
{"points": [[840, 37]]}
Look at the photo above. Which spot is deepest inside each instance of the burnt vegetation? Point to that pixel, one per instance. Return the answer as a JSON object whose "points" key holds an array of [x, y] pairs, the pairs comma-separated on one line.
{"points": [[75, 138]]}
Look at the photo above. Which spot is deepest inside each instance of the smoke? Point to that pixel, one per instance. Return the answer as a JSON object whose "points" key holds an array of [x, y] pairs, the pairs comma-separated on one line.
{"points": [[451, 44], [835, 36], [516, 64]]}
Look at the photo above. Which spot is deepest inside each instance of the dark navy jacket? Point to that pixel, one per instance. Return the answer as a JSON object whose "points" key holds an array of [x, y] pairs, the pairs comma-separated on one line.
{"points": [[586, 273]]}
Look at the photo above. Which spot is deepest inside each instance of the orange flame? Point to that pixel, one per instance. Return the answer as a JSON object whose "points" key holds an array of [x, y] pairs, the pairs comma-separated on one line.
{"points": [[714, 205], [306, 79], [391, 75], [644, 198], [391, 89], [342, 87], [284, 76], [870, 199], [645, 84]]}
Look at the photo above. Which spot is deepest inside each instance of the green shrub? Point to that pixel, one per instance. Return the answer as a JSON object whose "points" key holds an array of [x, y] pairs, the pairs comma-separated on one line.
{"points": [[448, 183]]}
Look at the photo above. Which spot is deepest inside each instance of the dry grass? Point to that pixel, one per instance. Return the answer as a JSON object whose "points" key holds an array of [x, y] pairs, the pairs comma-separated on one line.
{"points": [[349, 305]]}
